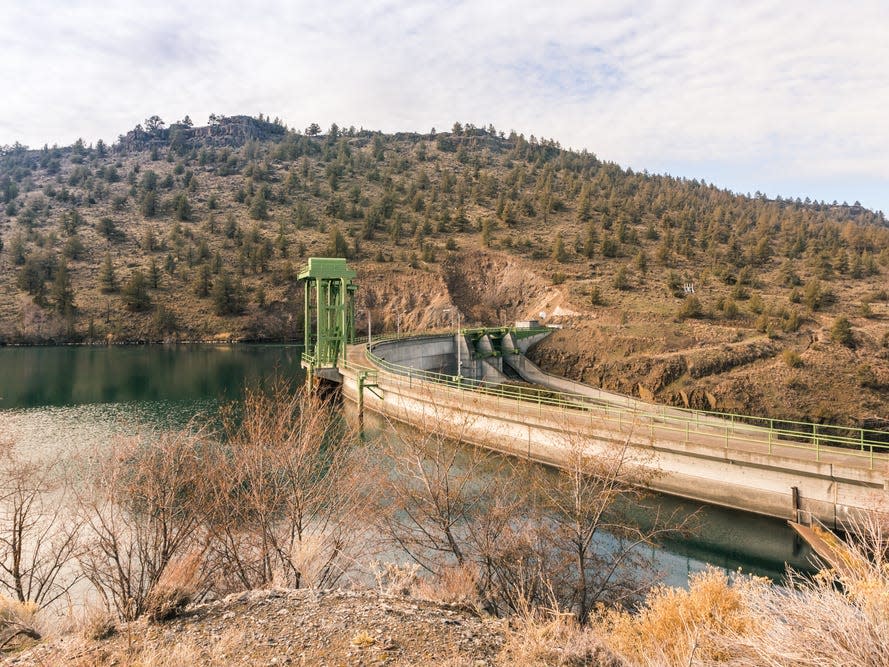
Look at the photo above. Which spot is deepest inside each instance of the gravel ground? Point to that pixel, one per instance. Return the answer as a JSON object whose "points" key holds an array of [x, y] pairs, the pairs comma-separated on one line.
{"points": [[284, 627]]}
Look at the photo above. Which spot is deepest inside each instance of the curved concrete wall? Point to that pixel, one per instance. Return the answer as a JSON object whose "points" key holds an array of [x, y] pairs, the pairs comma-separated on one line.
{"points": [[750, 480], [428, 353]]}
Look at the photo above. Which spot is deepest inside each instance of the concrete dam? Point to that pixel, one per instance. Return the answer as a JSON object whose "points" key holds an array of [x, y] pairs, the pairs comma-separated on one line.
{"points": [[477, 385], [709, 458]]}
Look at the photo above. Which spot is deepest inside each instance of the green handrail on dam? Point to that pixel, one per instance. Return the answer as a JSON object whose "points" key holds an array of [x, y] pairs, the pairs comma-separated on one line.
{"points": [[772, 434]]}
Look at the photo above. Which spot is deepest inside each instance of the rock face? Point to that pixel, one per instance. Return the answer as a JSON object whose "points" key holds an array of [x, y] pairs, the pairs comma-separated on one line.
{"points": [[226, 131], [287, 627]]}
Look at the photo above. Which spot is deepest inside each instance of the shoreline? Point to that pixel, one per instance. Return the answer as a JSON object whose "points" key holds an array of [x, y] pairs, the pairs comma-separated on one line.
{"points": [[122, 343]]}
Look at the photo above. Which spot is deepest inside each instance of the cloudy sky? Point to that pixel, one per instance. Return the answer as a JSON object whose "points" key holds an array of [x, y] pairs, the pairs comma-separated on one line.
{"points": [[784, 97]]}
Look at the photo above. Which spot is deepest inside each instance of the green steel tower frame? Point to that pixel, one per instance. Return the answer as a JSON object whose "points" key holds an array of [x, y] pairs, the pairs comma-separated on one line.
{"points": [[329, 321]]}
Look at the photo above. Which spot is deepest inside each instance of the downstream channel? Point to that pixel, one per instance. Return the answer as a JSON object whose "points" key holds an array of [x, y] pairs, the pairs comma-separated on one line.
{"points": [[78, 398]]}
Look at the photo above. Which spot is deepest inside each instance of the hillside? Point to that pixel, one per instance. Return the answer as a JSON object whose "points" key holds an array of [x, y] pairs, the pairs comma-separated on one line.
{"points": [[667, 288]]}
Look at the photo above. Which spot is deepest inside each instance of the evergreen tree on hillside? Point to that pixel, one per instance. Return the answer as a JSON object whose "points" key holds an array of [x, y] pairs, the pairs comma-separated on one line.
{"points": [[107, 277], [337, 246], [259, 209], [228, 295], [183, 207], [33, 275], [62, 293], [135, 293], [154, 274]]}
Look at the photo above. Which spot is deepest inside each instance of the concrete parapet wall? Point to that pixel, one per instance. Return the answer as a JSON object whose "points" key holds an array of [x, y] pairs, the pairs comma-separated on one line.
{"points": [[427, 353]]}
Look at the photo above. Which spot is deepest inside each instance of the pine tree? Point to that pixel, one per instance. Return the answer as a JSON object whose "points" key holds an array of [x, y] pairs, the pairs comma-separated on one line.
{"points": [[135, 293], [337, 246], [259, 209], [183, 208], [559, 254], [107, 277], [202, 281], [591, 240], [154, 274], [486, 232], [281, 242], [62, 294], [228, 295]]}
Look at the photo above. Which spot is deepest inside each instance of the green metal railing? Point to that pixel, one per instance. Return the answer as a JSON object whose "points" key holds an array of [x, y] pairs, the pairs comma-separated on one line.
{"points": [[771, 436]]}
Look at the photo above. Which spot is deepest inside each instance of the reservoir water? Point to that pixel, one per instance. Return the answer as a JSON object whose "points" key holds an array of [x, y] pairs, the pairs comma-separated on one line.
{"points": [[74, 398]]}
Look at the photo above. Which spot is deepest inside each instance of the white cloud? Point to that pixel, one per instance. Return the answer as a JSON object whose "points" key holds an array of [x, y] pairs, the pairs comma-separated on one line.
{"points": [[756, 89]]}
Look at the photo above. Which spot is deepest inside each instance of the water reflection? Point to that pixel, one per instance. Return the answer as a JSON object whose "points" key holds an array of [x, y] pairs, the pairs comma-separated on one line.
{"points": [[64, 376]]}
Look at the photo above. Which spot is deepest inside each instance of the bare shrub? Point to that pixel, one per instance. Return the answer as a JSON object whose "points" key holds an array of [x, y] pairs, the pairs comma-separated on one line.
{"points": [[142, 509], [38, 535], [592, 540], [451, 507], [526, 535], [287, 493]]}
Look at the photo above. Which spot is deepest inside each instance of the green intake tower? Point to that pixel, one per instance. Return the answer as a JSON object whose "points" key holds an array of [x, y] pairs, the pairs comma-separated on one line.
{"points": [[329, 321]]}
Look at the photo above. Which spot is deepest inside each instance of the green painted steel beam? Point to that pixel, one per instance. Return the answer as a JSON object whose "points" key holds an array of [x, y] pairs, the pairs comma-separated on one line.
{"points": [[327, 268], [329, 309]]}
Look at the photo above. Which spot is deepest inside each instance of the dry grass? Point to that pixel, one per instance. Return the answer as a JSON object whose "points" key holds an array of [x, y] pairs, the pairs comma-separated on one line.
{"points": [[456, 585], [176, 588], [18, 621], [834, 618], [395, 578], [681, 627], [95, 622], [185, 652], [549, 639]]}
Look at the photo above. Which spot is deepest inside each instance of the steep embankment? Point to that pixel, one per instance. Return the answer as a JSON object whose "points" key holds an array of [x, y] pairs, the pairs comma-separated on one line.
{"points": [[495, 287]]}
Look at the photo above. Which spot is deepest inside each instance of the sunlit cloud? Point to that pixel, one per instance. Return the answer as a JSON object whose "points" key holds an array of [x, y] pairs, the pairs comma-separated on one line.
{"points": [[786, 98]]}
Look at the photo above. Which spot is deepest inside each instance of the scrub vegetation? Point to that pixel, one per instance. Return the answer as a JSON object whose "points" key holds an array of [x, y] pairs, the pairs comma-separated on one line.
{"points": [[177, 232], [280, 494]]}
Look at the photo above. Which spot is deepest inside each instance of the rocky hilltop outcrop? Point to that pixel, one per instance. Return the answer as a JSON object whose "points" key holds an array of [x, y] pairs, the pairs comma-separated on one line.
{"points": [[229, 131]]}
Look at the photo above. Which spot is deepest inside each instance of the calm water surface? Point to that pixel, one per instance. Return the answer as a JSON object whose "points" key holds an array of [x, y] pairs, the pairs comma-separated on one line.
{"points": [[75, 398]]}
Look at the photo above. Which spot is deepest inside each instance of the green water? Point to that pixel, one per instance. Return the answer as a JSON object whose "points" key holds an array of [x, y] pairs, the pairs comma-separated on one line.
{"points": [[69, 399], [68, 376]]}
